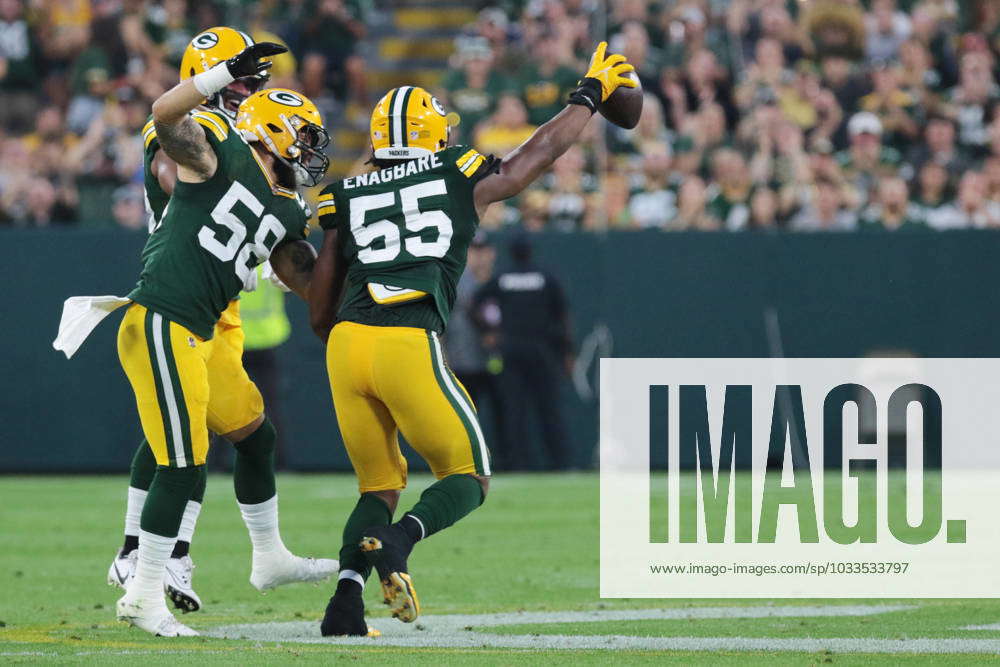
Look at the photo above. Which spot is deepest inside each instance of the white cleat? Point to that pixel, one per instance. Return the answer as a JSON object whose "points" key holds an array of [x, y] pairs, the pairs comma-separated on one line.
{"points": [[153, 617], [277, 568], [177, 584], [123, 569]]}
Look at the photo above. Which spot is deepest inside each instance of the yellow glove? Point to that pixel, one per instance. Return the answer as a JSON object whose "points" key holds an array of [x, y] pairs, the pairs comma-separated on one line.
{"points": [[609, 70]]}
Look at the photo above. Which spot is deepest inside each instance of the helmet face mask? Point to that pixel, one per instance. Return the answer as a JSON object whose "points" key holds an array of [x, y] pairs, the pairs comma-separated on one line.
{"points": [[308, 162]]}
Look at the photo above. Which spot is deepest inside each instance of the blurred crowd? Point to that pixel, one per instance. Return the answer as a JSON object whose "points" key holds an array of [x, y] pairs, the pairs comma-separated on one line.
{"points": [[758, 114], [802, 115], [78, 77]]}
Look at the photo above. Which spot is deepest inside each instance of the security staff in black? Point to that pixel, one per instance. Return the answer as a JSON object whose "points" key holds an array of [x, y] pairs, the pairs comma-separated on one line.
{"points": [[535, 343]]}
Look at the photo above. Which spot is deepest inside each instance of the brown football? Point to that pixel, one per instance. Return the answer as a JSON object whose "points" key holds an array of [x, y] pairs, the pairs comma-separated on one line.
{"points": [[624, 106]]}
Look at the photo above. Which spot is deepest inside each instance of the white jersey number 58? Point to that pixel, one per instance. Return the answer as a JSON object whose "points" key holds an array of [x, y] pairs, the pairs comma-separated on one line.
{"points": [[269, 232]]}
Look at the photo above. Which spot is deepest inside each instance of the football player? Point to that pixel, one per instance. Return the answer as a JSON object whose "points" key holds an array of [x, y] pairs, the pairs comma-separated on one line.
{"points": [[225, 365], [395, 243], [209, 48], [233, 206]]}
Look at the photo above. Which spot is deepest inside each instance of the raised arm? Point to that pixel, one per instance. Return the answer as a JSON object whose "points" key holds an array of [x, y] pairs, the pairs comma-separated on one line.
{"points": [[179, 135], [327, 285], [293, 262], [526, 162]]}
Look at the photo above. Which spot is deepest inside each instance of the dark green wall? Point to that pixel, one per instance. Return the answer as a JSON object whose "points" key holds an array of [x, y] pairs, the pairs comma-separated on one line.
{"points": [[660, 295]]}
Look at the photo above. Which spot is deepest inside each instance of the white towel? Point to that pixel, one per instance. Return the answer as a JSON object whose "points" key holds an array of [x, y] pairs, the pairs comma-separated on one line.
{"points": [[80, 316]]}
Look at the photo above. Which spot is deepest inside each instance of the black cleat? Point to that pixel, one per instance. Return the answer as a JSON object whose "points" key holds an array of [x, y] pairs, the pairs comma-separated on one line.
{"points": [[386, 548], [345, 617]]}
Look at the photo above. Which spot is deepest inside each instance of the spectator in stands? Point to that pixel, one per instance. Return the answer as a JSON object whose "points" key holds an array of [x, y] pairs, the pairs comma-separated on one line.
{"points": [[767, 73], [692, 209], [654, 202], [615, 198], [895, 108], [971, 103], [729, 196], [848, 86], [891, 210], [19, 67], [939, 146], [328, 40], [128, 207], [571, 191], [506, 129], [545, 81], [763, 210], [493, 25], [43, 206], [472, 87], [867, 159], [887, 29], [991, 170], [972, 209], [825, 211], [109, 154], [702, 82], [934, 195]]}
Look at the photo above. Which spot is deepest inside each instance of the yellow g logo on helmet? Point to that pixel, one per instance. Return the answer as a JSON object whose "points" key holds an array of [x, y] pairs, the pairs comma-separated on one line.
{"points": [[211, 47], [408, 122], [290, 126]]}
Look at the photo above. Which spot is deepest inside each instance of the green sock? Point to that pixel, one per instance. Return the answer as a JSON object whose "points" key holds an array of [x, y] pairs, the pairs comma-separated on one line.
{"points": [[443, 503], [168, 496], [370, 511], [253, 468], [143, 467], [198, 494]]}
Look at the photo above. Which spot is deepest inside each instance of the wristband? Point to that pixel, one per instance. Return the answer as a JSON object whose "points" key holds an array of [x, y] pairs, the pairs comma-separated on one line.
{"points": [[587, 94], [213, 80]]}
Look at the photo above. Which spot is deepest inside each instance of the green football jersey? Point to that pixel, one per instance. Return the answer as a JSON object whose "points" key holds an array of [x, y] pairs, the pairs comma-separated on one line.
{"points": [[211, 235], [404, 234]]}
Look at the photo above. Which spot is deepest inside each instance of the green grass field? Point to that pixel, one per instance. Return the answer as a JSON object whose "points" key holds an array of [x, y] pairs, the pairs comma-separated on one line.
{"points": [[532, 548]]}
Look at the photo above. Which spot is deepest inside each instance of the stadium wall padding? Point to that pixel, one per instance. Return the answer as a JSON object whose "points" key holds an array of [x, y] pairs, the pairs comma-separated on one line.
{"points": [[633, 294]]}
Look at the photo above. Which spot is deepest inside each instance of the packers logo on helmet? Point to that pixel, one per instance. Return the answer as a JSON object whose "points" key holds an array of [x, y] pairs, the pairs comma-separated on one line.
{"points": [[205, 40], [408, 122], [290, 126], [212, 47]]}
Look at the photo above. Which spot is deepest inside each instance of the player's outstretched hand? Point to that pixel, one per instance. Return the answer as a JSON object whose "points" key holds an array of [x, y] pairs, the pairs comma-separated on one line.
{"points": [[609, 71], [250, 61]]}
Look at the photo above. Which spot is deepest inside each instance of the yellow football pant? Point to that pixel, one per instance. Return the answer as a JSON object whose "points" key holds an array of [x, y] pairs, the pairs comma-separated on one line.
{"points": [[390, 379], [185, 386]]}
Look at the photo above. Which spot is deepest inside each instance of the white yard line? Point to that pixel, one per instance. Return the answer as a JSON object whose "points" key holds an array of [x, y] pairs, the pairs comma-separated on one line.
{"points": [[449, 631]]}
